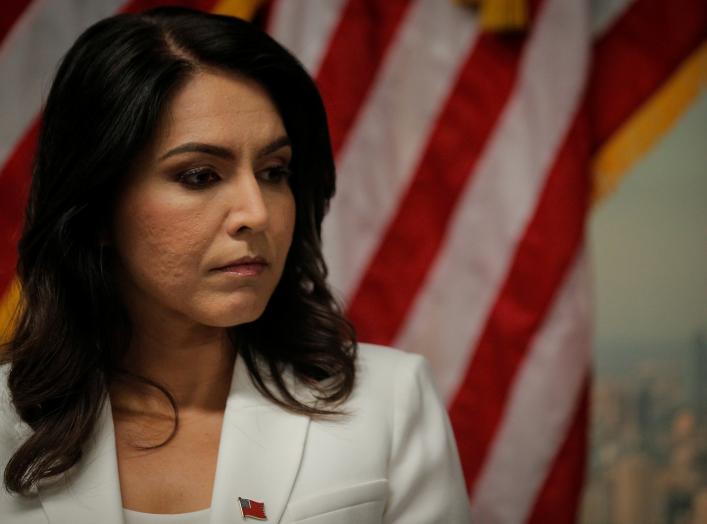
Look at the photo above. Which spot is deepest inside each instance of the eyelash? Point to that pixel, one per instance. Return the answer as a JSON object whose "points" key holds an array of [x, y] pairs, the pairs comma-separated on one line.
{"points": [[276, 174], [183, 178], [280, 173]]}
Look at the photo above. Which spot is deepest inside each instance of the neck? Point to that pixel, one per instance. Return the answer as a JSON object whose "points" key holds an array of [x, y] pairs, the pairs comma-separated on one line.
{"points": [[194, 363]]}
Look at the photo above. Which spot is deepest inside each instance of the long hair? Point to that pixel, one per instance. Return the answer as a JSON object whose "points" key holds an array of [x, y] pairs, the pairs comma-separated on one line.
{"points": [[72, 330]]}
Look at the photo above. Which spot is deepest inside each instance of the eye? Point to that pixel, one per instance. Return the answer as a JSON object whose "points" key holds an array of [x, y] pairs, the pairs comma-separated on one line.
{"points": [[198, 178], [275, 174]]}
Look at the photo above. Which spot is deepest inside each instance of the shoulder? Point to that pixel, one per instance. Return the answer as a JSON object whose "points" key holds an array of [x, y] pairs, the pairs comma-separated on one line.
{"points": [[390, 358], [376, 362], [395, 434], [423, 472], [387, 382], [392, 387], [358, 445], [13, 431], [390, 373], [7, 411], [402, 381], [12, 428]]}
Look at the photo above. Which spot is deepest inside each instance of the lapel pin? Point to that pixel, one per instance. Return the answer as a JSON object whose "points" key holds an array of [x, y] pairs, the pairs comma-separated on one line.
{"points": [[252, 509]]}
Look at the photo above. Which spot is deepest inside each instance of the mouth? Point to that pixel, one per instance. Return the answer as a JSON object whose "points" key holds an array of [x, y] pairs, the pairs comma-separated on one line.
{"points": [[244, 266]]}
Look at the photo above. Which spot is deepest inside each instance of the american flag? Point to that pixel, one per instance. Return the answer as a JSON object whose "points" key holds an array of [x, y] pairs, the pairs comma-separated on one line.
{"points": [[468, 157], [252, 509]]}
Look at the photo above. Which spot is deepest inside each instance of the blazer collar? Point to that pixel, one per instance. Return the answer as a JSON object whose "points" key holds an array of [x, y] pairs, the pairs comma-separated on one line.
{"points": [[259, 455]]}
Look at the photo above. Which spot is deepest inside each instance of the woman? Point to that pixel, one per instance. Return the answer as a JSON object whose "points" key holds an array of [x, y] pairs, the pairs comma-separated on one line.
{"points": [[178, 356]]}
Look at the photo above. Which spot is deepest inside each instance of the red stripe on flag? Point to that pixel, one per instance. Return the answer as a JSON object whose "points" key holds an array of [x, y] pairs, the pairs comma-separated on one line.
{"points": [[638, 53], [542, 259], [364, 33], [413, 238], [560, 497], [14, 180], [9, 14]]}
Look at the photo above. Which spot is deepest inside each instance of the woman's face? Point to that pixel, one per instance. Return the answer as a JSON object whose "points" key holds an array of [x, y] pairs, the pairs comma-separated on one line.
{"points": [[203, 227]]}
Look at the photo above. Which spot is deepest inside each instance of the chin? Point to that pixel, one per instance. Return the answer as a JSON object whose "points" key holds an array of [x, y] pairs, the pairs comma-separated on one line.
{"points": [[230, 315]]}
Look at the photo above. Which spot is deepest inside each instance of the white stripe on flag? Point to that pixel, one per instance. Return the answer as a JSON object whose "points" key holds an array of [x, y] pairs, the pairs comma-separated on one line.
{"points": [[29, 57], [386, 143], [305, 28], [447, 317], [540, 409]]}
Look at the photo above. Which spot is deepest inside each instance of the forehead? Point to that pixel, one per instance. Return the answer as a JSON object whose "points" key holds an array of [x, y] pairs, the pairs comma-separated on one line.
{"points": [[219, 107]]}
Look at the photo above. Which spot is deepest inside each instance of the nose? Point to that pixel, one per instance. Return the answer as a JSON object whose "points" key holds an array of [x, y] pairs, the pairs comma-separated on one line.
{"points": [[246, 204]]}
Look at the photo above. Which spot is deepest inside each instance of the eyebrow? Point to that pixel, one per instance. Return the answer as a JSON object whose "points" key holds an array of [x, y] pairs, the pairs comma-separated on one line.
{"points": [[224, 152]]}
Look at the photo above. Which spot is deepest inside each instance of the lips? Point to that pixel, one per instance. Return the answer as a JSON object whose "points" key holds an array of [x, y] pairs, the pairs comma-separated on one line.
{"points": [[244, 266]]}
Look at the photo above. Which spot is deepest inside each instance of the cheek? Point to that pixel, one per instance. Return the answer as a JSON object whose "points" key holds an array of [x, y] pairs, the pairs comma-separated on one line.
{"points": [[159, 242], [283, 218]]}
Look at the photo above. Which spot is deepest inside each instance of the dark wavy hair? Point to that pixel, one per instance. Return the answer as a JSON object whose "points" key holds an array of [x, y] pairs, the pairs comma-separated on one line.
{"points": [[72, 329]]}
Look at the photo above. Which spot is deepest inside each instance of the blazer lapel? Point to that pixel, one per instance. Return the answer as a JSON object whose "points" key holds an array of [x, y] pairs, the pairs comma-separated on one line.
{"points": [[259, 454], [90, 492]]}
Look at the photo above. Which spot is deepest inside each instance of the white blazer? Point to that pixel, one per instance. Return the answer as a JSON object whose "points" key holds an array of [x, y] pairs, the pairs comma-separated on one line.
{"points": [[392, 460]]}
